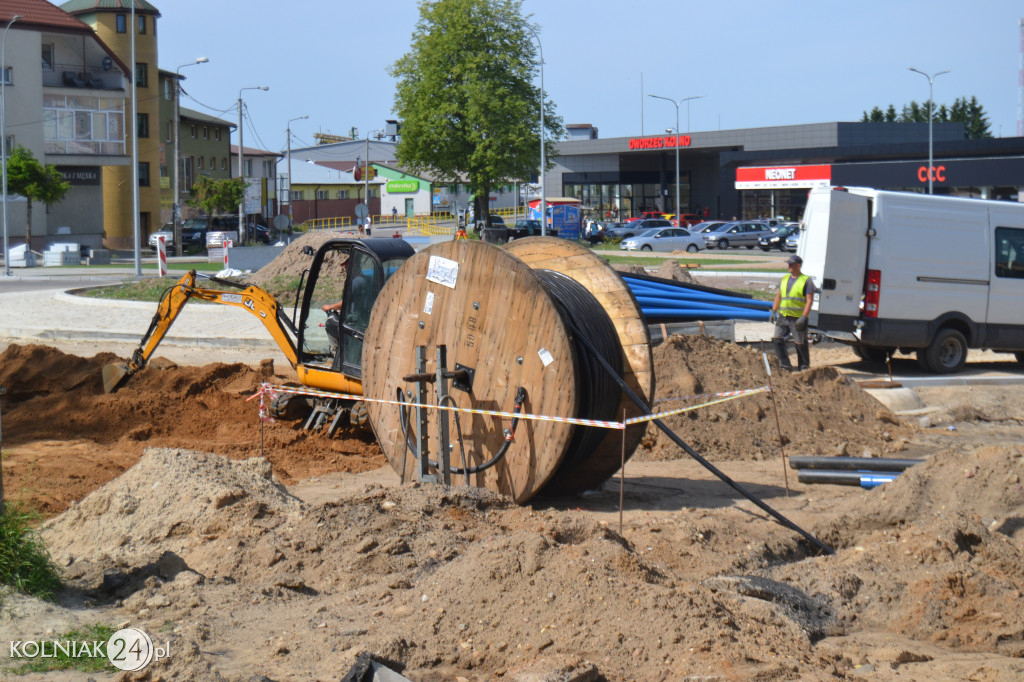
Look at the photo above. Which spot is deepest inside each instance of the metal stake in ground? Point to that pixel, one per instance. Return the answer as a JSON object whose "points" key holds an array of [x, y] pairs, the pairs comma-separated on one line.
{"points": [[622, 474], [775, 408]]}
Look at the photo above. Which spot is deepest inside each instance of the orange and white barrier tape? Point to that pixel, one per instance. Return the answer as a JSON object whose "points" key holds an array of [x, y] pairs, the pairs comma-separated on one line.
{"points": [[272, 391]]}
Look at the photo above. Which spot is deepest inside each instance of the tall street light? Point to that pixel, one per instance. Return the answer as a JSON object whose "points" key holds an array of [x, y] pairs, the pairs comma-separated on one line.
{"points": [[289, 195], [242, 233], [176, 205], [677, 103], [543, 159], [931, 81], [136, 225], [3, 141]]}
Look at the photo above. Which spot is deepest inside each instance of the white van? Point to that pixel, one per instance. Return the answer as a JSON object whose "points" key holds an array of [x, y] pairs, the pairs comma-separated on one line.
{"points": [[905, 271]]}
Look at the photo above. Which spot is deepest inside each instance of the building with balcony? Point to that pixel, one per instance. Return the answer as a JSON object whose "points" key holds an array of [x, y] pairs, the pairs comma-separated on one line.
{"points": [[110, 22], [65, 101], [204, 148]]}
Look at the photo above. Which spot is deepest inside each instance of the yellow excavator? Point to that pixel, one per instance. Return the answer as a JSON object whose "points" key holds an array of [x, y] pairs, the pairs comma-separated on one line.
{"points": [[324, 348]]}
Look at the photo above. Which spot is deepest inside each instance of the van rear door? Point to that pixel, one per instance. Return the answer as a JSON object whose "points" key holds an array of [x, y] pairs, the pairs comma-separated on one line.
{"points": [[834, 248]]}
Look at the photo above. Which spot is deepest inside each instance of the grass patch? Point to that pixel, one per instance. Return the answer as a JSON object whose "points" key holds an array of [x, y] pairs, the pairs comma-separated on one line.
{"points": [[25, 564], [151, 289], [62, 661]]}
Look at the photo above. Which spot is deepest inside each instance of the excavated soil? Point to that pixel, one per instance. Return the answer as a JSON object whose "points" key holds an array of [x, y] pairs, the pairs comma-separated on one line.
{"points": [[173, 522]]}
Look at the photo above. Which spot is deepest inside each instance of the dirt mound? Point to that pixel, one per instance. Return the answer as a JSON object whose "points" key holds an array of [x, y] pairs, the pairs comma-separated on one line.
{"points": [[67, 437], [167, 496], [670, 269], [291, 262], [821, 411]]}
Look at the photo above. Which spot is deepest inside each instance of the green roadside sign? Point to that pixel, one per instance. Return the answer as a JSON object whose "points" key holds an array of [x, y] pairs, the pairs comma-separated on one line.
{"points": [[396, 186]]}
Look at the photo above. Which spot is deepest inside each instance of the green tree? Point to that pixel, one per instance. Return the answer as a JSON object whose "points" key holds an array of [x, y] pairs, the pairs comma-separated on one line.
{"points": [[963, 110], [217, 196], [466, 98], [34, 181]]}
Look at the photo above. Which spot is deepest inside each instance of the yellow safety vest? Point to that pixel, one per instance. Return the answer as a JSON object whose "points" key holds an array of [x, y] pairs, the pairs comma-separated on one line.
{"points": [[794, 300]]}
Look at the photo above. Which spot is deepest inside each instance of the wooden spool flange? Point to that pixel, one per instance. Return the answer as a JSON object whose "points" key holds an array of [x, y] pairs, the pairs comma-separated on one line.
{"points": [[493, 315], [607, 286]]}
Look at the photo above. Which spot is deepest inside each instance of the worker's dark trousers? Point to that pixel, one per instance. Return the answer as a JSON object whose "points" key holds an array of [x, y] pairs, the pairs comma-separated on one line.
{"points": [[803, 354], [785, 328]]}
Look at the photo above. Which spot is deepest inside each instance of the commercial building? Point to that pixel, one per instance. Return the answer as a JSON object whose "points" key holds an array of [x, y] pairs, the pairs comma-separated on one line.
{"points": [[65, 102], [757, 172]]}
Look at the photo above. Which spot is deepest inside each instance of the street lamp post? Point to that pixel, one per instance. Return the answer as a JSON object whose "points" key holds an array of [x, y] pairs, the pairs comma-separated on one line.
{"points": [[678, 211], [241, 158], [136, 225], [931, 81], [543, 156], [176, 205], [289, 195], [3, 140]]}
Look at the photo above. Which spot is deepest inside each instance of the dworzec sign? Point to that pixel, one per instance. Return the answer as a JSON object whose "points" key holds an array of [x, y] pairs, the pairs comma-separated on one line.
{"points": [[398, 186]]}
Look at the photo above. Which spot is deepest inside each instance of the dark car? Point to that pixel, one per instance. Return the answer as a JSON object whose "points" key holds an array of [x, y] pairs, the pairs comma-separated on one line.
{"points": [[261, 234], [777, 239], [193, 233], [528, 228]]}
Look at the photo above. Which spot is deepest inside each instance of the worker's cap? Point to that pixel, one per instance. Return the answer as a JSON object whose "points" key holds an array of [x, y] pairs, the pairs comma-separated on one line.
{"points": [[795, 260]]}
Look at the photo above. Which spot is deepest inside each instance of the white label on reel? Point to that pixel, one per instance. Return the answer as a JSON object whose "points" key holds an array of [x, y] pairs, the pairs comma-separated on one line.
{"points": [[545, 356], [428, 305], [443, 271]]}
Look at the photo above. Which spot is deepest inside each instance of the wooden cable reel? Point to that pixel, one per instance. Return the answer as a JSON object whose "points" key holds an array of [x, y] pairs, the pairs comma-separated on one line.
{"points": [[494, 311]]}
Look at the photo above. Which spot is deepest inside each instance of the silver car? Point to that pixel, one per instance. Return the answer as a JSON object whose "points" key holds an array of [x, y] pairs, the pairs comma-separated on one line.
{"points": [[663, 239], [744, 233], [167, 232]]}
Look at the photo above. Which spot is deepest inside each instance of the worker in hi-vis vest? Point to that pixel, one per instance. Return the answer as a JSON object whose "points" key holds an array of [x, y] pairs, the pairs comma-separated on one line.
{"points": [[789, 313]]}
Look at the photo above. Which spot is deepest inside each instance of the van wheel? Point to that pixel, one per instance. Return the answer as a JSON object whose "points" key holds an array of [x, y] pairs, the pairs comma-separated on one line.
{"points": [[947, 353]]}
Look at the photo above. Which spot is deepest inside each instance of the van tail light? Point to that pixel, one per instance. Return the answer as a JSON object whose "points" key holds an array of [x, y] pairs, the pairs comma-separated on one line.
{"points": [[873, 293]]}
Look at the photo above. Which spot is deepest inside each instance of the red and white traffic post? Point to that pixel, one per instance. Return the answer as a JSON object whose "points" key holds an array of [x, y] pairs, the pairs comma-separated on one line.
{"points": [[227, 245], [161, 256]]}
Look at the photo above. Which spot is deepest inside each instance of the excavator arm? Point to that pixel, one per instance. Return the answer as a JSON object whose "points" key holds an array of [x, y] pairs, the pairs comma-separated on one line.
{"points": [[250, 297]]}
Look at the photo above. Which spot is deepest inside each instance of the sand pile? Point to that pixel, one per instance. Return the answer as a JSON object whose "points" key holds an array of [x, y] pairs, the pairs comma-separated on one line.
{"points": [[822, 412], [164, 502], [292, 261]]}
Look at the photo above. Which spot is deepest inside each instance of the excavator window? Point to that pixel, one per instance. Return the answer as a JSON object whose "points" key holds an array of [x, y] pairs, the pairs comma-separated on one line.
{"points": [[365, 281], [329, 288]]}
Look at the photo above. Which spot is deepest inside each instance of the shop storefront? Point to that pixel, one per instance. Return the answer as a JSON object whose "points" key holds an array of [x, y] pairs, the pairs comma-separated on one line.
{"points": [[761, 172]]}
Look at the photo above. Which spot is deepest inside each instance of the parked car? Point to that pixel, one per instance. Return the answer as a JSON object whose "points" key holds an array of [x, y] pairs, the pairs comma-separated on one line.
{"points": [[707, 226], [496, 221], [635, 227], [167, 232], [746, 233], [664, 239], [777, 239], [528, 228], [793, 241], [688, 220]]}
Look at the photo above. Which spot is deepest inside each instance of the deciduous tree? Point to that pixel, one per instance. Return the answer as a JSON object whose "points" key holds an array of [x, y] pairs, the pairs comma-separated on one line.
{"points": [[34, 181], [466, 98]]}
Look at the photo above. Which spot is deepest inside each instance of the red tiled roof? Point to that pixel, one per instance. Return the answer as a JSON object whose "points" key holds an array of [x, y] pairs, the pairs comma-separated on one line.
{"points": [[39, 14]]}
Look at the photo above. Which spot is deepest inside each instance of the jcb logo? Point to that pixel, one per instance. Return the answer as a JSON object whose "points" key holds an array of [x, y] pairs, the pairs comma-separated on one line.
{"points": [[938, 174], [249, 304]]}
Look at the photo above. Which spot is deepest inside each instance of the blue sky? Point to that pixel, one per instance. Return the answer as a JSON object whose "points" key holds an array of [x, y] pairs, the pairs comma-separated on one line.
{"points": [[756, 63]]}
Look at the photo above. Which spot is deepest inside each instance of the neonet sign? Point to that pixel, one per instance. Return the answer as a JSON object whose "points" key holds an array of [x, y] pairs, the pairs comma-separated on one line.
{"points": [[668, 141]]}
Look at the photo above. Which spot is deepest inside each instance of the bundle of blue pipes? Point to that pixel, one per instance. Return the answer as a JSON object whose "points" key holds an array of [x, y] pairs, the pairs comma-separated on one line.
{"points": [[665, 300]]}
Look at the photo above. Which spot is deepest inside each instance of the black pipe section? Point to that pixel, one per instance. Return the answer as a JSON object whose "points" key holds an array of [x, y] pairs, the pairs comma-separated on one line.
{"points": [[855, 463], [705, 463], [858, 478]]}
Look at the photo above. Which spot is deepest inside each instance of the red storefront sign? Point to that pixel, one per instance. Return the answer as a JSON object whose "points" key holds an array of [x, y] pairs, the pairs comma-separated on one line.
{"points": [[665, 142], [783, 177]]}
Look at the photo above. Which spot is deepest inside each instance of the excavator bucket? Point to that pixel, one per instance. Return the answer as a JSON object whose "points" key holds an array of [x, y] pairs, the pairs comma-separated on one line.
{"points": [[114, 375]]}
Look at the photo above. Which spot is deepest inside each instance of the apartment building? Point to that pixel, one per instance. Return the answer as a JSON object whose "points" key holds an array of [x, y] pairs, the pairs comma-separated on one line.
{"points": [[65, 99]]}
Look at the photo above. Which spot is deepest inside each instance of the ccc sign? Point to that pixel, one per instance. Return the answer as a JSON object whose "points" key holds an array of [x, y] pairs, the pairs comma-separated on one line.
{"points": [[938, 174]]}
